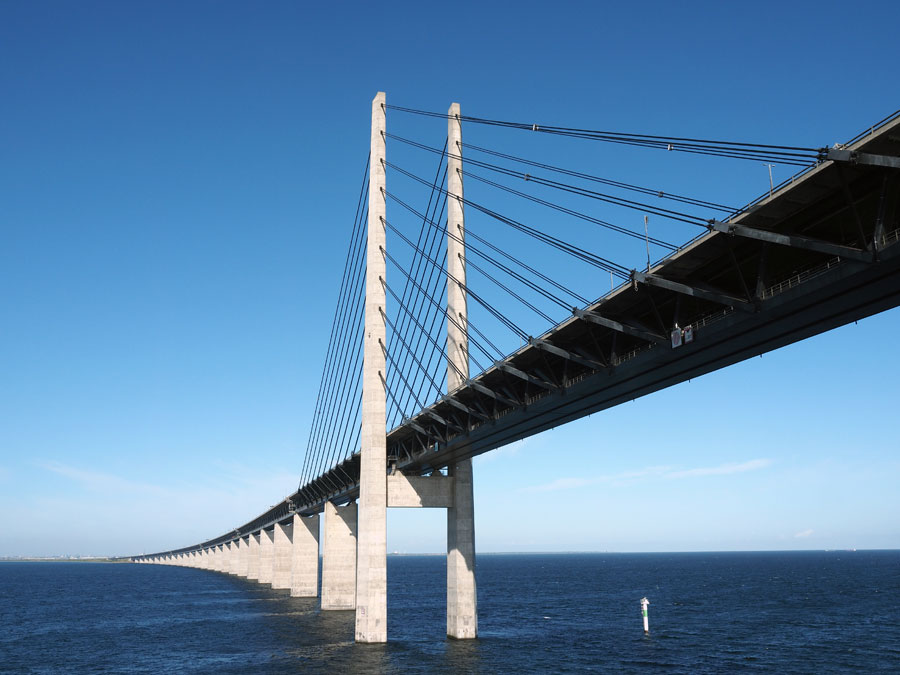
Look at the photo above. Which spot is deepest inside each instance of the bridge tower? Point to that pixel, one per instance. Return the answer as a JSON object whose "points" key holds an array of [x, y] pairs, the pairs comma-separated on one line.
{"points": [[462, 616], [377, 489], [371, 569]]}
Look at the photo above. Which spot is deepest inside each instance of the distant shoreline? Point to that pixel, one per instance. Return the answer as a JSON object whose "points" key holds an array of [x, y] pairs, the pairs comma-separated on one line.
{"points": [[67, 560], [399, 554]]}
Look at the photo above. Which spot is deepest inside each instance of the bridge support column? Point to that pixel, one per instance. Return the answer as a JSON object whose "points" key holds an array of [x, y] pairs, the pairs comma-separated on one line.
{"points": [[233, 556], [235, 566], [229, 548], [462, 611], [242, 558], [371, 580], [253, 557], [305, 557], [462, 615], [339, 557], [266, 556], [281, 572]]}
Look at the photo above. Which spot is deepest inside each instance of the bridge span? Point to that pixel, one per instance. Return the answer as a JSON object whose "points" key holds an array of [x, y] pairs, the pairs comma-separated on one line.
{"points": [[821, 251]]}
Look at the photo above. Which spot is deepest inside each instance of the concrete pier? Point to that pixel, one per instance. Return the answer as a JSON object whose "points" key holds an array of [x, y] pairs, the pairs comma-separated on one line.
{"points": [[462, 610], [228, 548], [339, 572], [253, 557], [281, 568], [305, 557], [242, 558], [236, 557], [266, 556], [371, 577], [462, 615]]}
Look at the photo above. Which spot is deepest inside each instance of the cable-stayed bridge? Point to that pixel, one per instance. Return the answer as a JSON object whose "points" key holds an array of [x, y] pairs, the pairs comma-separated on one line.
{"points": [[467, 320]]}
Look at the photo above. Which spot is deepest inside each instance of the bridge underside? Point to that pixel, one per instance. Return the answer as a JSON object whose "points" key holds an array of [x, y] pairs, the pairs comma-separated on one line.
{"points": [[818, 254]]}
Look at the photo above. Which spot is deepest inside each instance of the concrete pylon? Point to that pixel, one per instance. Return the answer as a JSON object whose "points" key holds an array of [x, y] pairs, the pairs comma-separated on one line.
{"points": [[266, 556], [371, 583], [462, 613], [339, 590], [253, 557], [305, 557], [281, 568]]}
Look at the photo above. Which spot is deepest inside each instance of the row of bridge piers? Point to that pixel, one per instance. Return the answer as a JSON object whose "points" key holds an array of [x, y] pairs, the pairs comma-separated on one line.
{"points": [[354, 534], [287, 556]]}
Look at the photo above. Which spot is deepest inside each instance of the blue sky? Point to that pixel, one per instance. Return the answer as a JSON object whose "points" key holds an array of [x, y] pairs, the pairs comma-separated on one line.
{"points": [[178, 185]]}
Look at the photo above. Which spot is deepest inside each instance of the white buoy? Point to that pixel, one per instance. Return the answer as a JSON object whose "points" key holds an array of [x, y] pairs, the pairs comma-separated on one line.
{"points": [[645, 603]]}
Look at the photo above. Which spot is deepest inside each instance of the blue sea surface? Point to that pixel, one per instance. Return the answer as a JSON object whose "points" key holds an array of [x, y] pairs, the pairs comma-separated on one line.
{"points": [[785, 612]]}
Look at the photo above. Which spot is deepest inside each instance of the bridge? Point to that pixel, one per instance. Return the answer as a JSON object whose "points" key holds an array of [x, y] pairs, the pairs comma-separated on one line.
{"points": [[399, 417]]}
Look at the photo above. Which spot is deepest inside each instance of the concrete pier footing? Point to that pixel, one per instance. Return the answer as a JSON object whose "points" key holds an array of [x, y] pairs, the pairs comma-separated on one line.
{"points": [[305, 557], [339, 557], [243, 558], [281, 567], [462, 614], [266, 556], [236, 557], [229, 548], [253, 557]]}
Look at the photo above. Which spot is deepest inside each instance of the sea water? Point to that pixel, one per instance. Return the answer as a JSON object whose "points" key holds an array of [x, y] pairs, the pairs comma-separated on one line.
{"points": [[785, 612]]}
